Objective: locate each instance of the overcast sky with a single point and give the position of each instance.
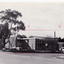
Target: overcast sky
(39, 15)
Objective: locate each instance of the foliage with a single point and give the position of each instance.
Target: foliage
(60, 40)
(11, 17)
(4, 33)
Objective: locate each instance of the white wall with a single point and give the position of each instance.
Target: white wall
(32, 43)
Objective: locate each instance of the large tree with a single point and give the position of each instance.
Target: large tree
(10, 16)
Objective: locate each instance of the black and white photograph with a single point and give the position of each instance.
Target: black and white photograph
(31, 32)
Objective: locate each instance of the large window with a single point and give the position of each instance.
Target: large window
(39, 44)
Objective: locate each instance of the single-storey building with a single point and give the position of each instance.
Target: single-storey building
(39, 43)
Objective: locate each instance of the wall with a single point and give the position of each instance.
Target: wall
(32, 43)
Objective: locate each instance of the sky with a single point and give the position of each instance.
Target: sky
(40, 18)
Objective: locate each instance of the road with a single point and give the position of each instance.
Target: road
(31, 58)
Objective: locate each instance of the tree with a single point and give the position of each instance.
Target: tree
(10, 16)
(4, 32)
(62, 40)
(59, 39)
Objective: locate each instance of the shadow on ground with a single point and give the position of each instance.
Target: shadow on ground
(31, 51)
